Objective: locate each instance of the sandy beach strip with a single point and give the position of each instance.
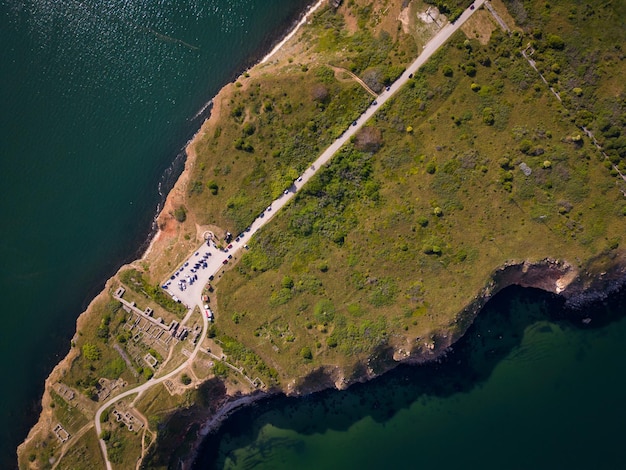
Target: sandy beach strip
(304, 19)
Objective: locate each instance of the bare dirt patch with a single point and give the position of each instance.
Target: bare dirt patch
(480, 26)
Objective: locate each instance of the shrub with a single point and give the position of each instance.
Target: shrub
(306, 353)
(320, 93)
(220, 369)
(180, 214)
(287, 282)
(213, 187)
(248, 128)
(555, 42)
(185, 379)
(431, 168)
(525, 145)
(488, 116)
(470, 70)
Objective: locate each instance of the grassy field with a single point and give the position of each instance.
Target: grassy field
(406, 225)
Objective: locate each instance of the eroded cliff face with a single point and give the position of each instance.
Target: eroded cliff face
(602, 276)
(579, 286)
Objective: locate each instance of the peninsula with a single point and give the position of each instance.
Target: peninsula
(351, 203)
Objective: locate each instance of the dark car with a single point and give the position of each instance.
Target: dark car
(230, 256)
(230, 246)
(225, 261)
(211, 277)
(354, 123)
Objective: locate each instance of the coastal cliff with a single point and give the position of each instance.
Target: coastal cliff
(385, 257)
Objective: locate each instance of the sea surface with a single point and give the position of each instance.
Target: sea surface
(525, 389)
(97, 100)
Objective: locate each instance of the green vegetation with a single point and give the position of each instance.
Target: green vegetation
(137, 282)
(413, 238)
(244, 357)
(473, 164)
(180, 213)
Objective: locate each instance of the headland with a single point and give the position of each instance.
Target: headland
(473, 176)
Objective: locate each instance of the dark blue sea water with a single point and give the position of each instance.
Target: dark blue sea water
(97, 99)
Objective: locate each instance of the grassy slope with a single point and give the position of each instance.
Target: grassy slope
(350, 265)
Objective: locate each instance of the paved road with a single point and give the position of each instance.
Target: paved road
(217, 259)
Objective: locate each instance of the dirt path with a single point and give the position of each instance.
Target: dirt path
(356, 78)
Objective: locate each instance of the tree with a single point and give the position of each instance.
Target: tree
(374, 79)
(555, 42)
(320, 93)
(185, 379)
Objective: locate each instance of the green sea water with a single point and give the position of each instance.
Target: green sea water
(525, 389)
(97, 100)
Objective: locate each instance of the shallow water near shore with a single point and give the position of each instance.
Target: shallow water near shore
(98, 101)
(524, 389)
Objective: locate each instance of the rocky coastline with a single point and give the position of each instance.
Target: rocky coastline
(579, 287)
(579, 284)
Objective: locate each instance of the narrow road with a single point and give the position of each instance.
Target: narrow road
(217, 259)
(143, 388)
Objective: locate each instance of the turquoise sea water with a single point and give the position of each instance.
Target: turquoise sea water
(524, 390)
(97, 99)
